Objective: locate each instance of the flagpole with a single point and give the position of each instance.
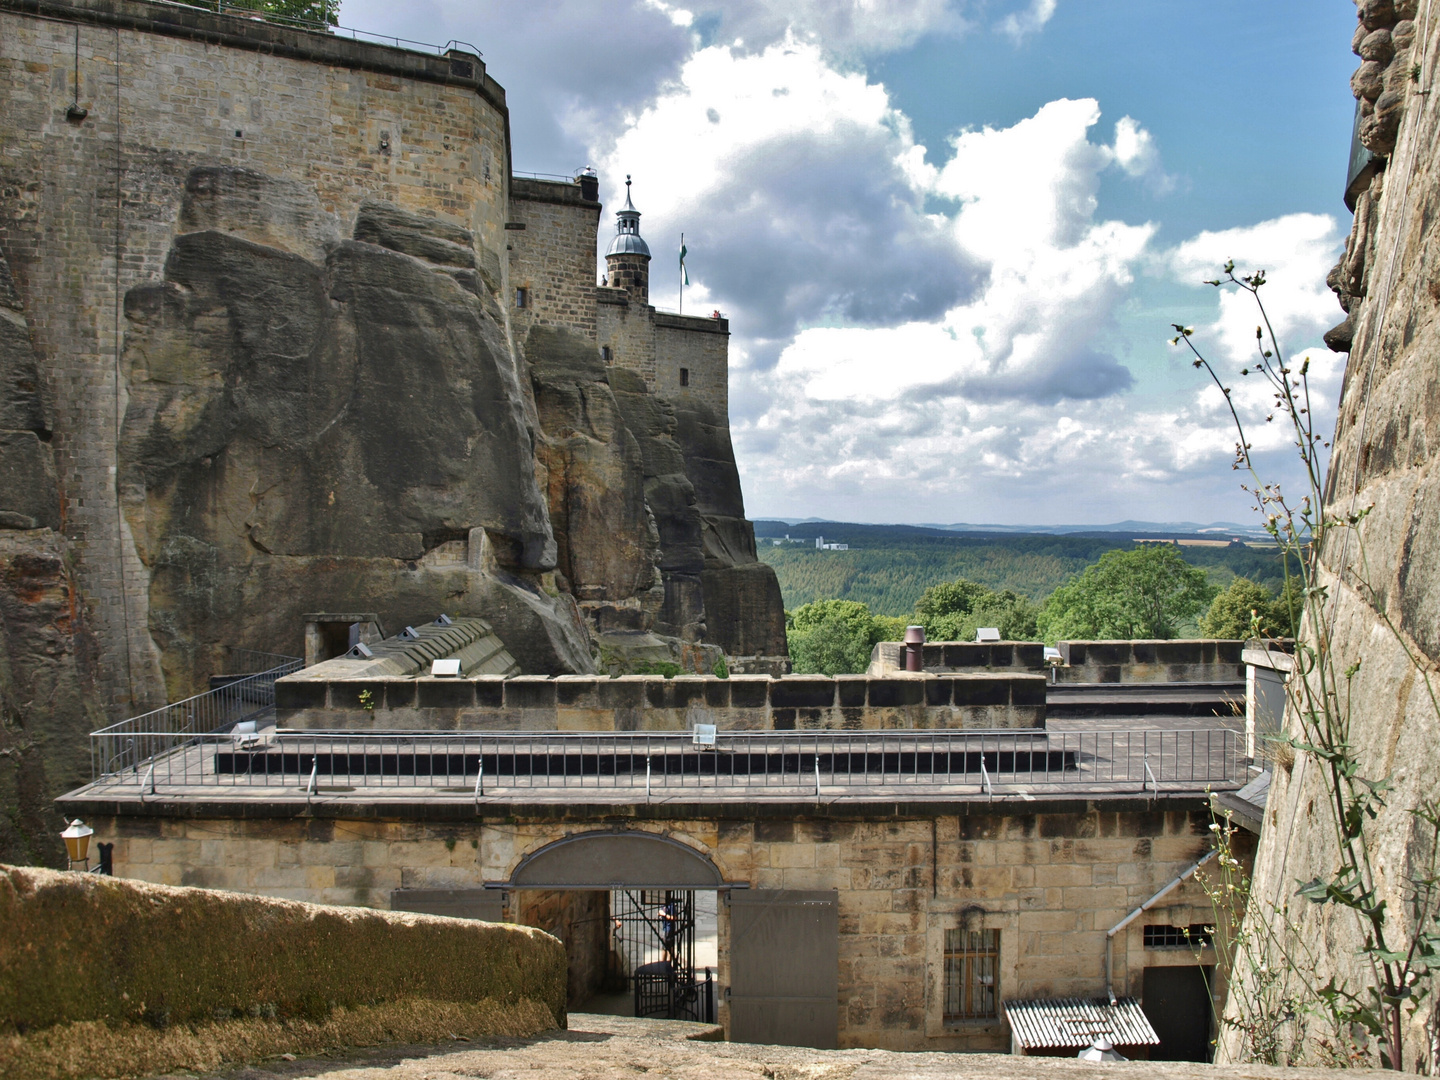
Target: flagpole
(682, 275)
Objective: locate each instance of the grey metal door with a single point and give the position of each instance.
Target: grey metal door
(784, 967)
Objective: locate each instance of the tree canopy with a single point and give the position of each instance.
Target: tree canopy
(1247, 608)
(836, 637)
(1146, 592)
(954, 610)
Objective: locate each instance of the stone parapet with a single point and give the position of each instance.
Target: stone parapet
(942, 657)
(654, 703)
(1191, 660)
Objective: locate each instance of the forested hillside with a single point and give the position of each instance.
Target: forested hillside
(888, 567)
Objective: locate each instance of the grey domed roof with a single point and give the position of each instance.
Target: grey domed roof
(627, 230)
(628, 244)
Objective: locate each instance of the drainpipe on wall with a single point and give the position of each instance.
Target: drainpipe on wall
(1146, 906)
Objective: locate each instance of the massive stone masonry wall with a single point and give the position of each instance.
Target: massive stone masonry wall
(1386, 444)
(701, 347)
(1051, 882)
(650, 703)
(551, 242)
(212, 400)
(174, 956)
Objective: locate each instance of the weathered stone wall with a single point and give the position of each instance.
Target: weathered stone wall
(701, 346)
(1200, 660)
(627, 329)
(653, 703)
(168, 955)
(944, 656)
(580, 920)
(361, 122)
(1051, 881)
(1386, 456)
(552, 256)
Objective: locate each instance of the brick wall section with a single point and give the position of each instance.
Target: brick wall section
(1052, 881)
(653, 703)
(702, 347)
(185, 87)
(553, 256)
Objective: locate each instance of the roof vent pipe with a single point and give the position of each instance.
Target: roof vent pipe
(914, 648)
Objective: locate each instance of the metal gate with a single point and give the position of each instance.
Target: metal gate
(653, 949)
(784, 967)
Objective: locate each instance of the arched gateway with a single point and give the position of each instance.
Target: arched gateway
(615, 860)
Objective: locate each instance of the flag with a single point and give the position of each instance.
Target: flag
(684, 273)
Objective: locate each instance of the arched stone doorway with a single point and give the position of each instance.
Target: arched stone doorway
(615, 860)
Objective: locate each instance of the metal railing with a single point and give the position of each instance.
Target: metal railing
(655, 764)
(245, 11)
(150, 737)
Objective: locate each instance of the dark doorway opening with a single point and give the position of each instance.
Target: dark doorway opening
(653, 955)
(1177, 1001)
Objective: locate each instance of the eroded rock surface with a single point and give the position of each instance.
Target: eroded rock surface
(342, 434)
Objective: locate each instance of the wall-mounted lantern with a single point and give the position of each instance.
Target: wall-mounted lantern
(77, 842)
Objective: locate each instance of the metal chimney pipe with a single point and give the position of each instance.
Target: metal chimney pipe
(914, 648)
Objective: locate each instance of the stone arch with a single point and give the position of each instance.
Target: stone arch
(615, 860)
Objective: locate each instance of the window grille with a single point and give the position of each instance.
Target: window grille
(972, 974)
(522, 298)
(1159, 936)
(684, 376)
(606, 354)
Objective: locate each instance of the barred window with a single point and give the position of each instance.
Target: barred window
(972, 979)
(1178, 937)
(684, 376)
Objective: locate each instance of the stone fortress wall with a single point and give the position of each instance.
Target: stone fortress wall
(261, 358)
(1051, 878)
(409, 130)
(1386, 456)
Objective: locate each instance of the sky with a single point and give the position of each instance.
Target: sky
(951, 236)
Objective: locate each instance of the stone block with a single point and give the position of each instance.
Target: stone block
(717, 693)
(530, 692)
(938, 691)
(850, 691)
(626, 692)
(577, 691)
(802, 691)
(749, 691)
(444, 693)
(896, 692)
(489, 691)
(300, 694)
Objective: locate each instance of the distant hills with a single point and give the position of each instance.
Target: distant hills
(1129, 529)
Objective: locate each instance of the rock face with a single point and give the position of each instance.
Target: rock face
(335, 432)
(742, 594)
(47, 656)
(1384, 576)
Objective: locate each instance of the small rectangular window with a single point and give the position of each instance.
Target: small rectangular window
(606, 354)
(972, 974)
(1196, 935)
(522, 298)
(684, 376)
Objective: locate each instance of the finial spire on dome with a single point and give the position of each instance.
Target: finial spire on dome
(627, 229)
